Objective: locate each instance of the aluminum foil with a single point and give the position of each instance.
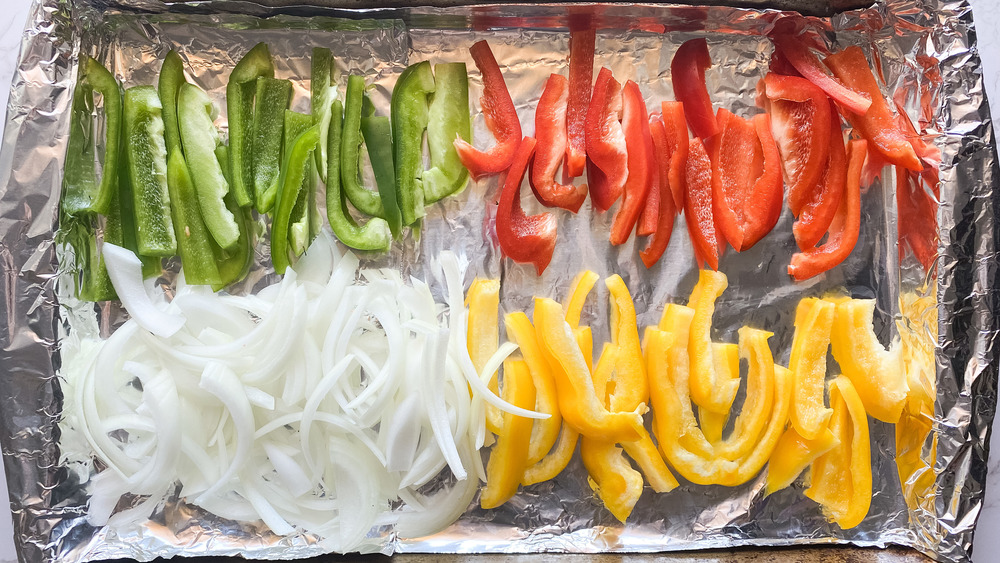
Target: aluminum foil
(47, 485)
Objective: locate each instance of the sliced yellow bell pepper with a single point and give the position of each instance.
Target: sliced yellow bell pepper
(759, 397)
(614, 480)
(876, 373)
(752, 463)
(813, 323)
(793, 455)
(712, 389)
(509, 456)
(580, 288)
(676, 320)
(556, 460)
(544, 432)
(483, 336)
(915, 453)
(629, 385)
(651, 463)
(841, 479)
(578, 402)
(726, 358)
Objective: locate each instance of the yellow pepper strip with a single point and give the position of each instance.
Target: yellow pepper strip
(711, 389)
(578, 401)
(650, 461)
(876, 373)
(555, 461)
(544, 432)
(751, 464)
(509, 456)
(918, 331)
(603, 373)
(585, 341)
(614, 480)
(759, 397)
(580, 288)
(842, 478)
(676, 320)
(793, 455)
(726, 358)
(630, 387)
(813, 323)
(483, 336)
(671, 421)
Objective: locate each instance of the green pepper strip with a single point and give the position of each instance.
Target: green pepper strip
(375, 234)
(378, 138)
(199, 137)
(294, 174)
(367, 201)
(168, 86)
(193, 239)
(272, 98)
(121, 227)
(410, 115)
(448, 118)
(81, 190)
(239, 107)
(322, 93)
(147, 161)
(233, 264)
(299, 229)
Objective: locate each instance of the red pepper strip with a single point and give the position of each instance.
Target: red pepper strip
(524, 239)
(698, 205)
(687, 74)
(675, 126)
(929, 154)
(781, 65)
(550, 132)
(799, 55)
(639, 143)
(665, 208)
(845, 227)
(606, 148)
(875, 164)
(800, 122)
(917, 223)
(581, 74)
(821, 208)
(501, 119)
(764, 202)
(878, 125)
(649, 216)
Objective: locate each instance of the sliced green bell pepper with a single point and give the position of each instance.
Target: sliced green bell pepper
(290, 217)
(199, 137)
(378, 138)
(299, 229)
(168, 86)
(240, 93)
(234, 264)
(272, 100)
(367, 201)
(375, 234)
(193, 239)
(323, 91)
(448, 118)
(82, 191)
(147, 161)
(409, 120)
(122, 226)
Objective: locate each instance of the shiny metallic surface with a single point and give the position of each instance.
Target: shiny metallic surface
(48, 467)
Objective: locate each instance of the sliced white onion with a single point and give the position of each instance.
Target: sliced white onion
(125, 271)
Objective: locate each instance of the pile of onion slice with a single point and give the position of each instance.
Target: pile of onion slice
(340, 402)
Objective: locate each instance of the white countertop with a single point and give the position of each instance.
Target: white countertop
(987, 13)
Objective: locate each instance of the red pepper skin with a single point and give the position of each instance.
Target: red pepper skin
(845, 227)
(878, 125)
(581, 74)
(819, 211)
(687, 74)
(875, 163)
(649, 217)
(698, 205)
(639, 143)
(550, 133)
(929, 154)
(526, 239)
(501, 119)
(675, 126)
(917, 224)
(606, 148)
(798, 54)
(800, 123)
(764, 203)
(665, 202)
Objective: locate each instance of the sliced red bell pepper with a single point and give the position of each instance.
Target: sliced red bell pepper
(878, 125)
(875, 164)
(800, 122)
(675, 126)
(929, 154)
(845, 227)
(550, 132)
(523, 238)
(606, 148)
(798, 54)
(821, 207)
(665, 209)
(501, 119)
(746, 179)
(687, 74)
(781, 65)
(639, 144)
(581, 74)
(649, 216)
(698, 205)
(917, 221)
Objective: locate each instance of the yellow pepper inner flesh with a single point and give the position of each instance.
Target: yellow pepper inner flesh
(509, 456)
(614, 480)
(793, 454)
(759, 397)
(712, 389)
(483, 336)
(813, 323)
(544, 432)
